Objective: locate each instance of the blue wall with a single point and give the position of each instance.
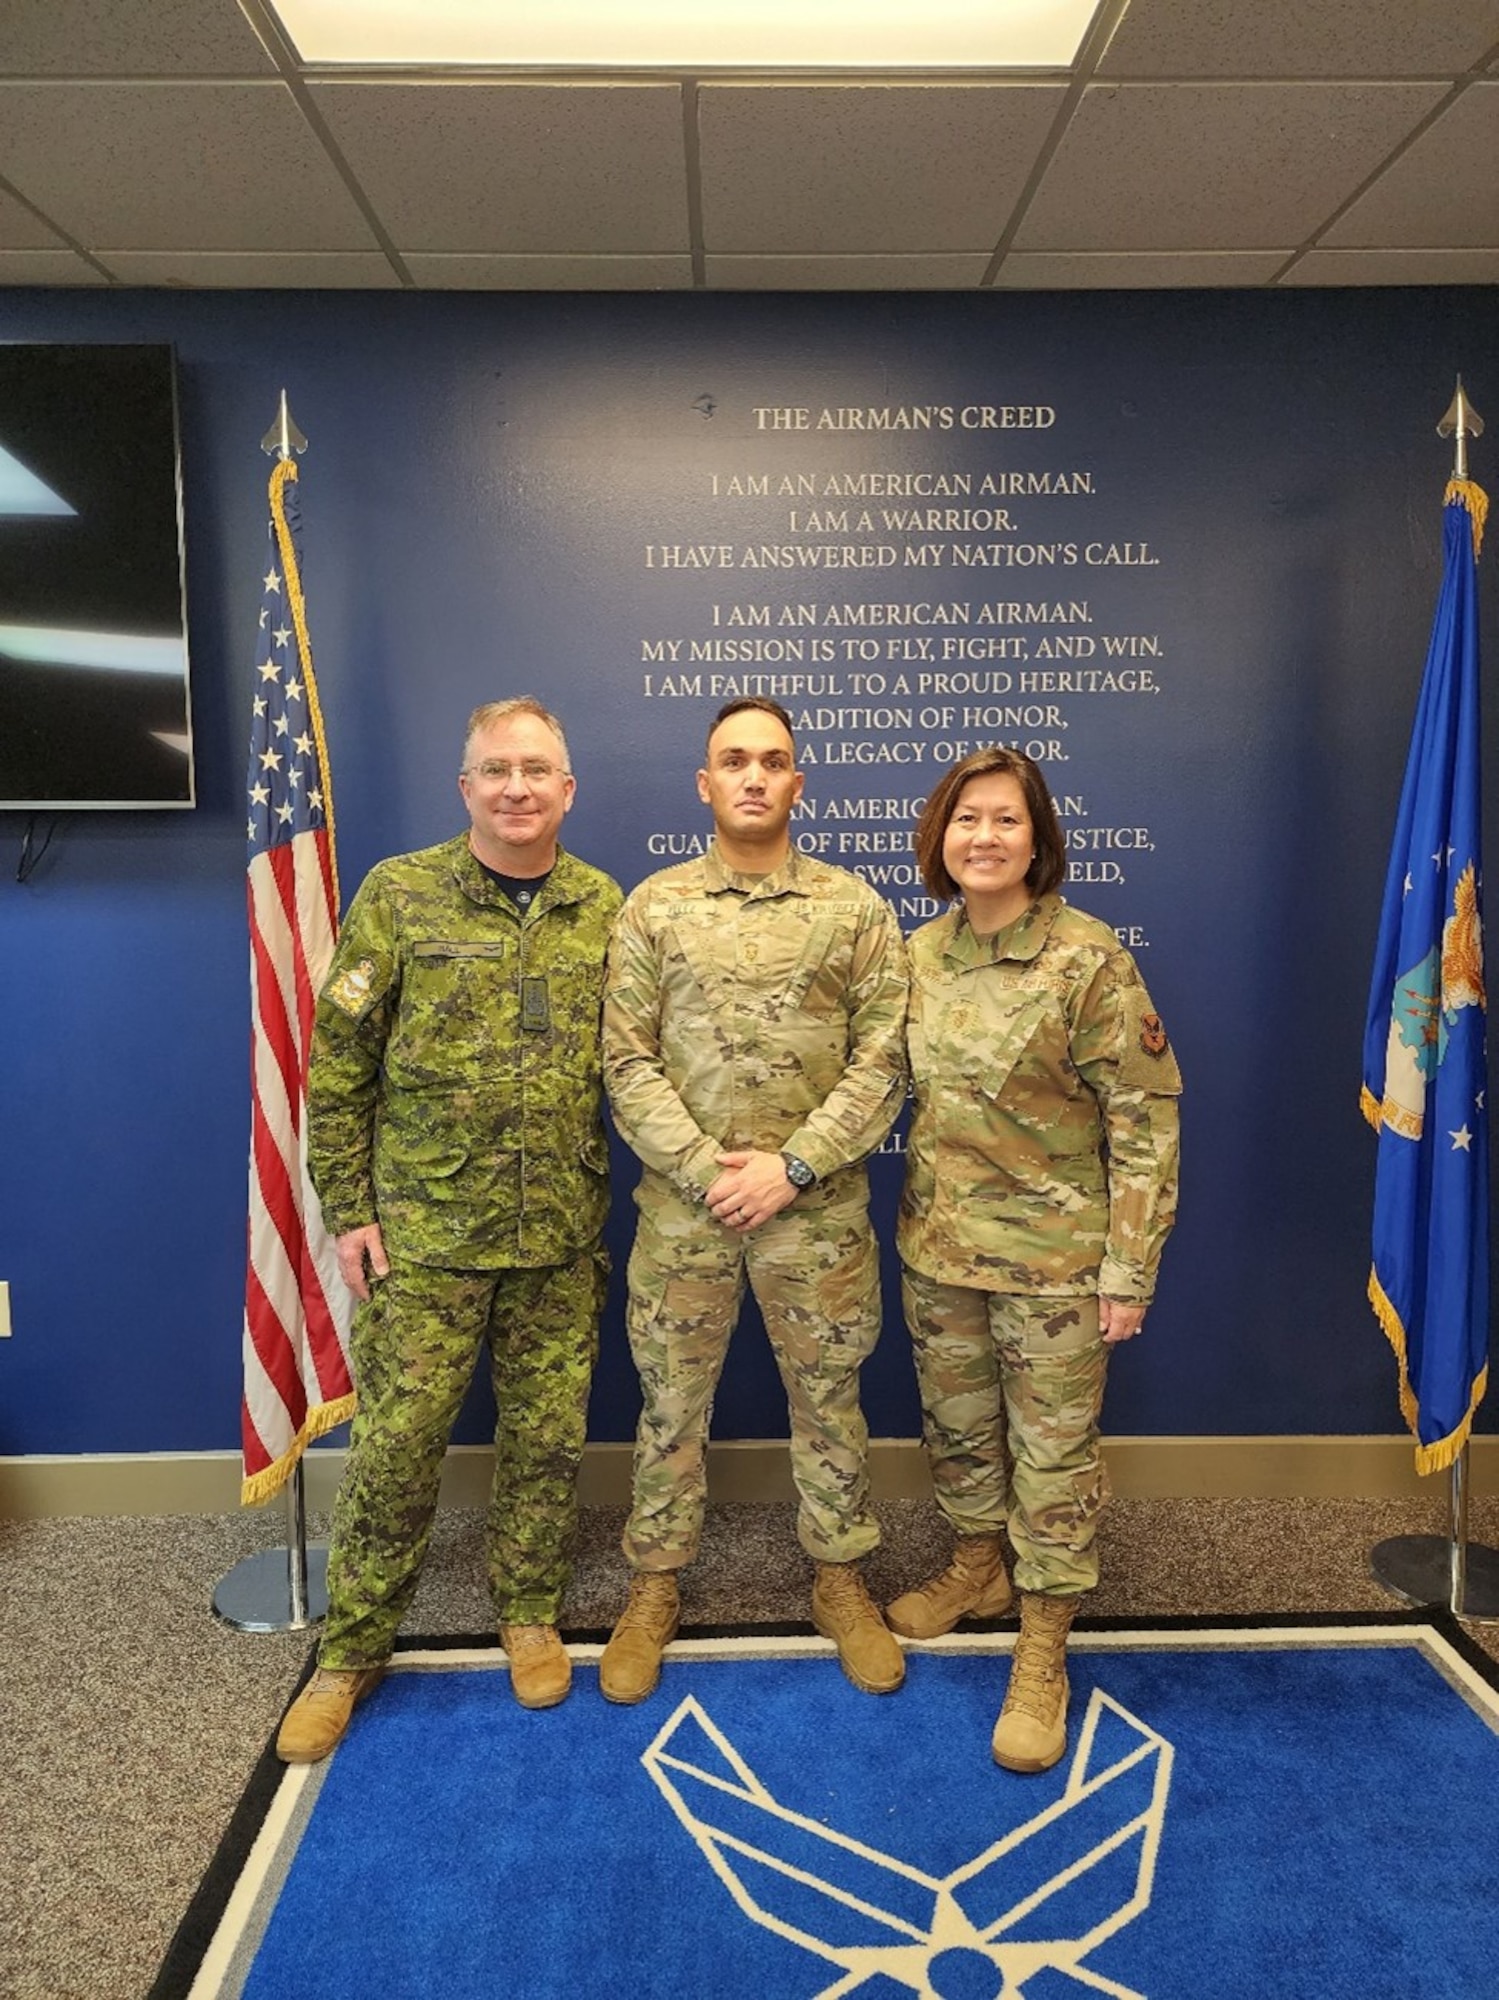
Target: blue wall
(486, 475)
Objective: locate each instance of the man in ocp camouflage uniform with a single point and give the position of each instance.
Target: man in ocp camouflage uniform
(456, 1143)
(753, 1052)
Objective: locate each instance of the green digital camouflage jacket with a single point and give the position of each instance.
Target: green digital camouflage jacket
(455, 1094)
(754, 1012)
(1043, 1148)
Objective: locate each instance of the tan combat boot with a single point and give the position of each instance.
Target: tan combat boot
(631, 1665)
(974, 1585)
(843, 1611)
(316, 1721)
(540, 1671)
(1031, 1732)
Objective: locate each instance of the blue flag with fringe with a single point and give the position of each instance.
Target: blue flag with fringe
(1425, 1067)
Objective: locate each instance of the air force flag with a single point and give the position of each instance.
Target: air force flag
(1425, 1073)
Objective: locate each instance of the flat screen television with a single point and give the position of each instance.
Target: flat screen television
(94, 707)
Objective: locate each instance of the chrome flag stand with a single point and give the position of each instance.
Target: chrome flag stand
(1436, 1569)
(281, 1589)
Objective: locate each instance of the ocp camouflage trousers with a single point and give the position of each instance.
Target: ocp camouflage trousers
(414, 1348)
(814, 1269)
(1011, 1391)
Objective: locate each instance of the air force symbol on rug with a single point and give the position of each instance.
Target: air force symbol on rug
(1031, 1907)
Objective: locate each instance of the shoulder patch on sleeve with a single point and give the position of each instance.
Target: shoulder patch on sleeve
(1147, 1060)
(353, 991)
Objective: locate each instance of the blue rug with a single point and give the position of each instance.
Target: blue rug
(1288, 1811)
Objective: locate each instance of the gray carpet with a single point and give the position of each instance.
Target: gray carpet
(130, 1718)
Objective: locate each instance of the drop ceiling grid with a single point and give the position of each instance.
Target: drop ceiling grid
(1218, 144)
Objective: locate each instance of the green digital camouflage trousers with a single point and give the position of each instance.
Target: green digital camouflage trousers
(414, 1348)
(814, 1270)
(1011, 1390)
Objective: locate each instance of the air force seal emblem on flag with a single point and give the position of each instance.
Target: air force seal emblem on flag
(1425, 1061)
(1039, 1898)
(1424, 1008)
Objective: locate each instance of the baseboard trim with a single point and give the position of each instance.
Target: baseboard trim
(1147, 1468)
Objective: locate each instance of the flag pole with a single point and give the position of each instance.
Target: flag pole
(1424, 1569)
(282, 1589)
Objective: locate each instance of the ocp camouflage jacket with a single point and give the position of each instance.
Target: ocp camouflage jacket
(754, 1012)
(1043, 1148)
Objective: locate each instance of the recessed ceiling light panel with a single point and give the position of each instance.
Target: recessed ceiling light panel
(686, 34)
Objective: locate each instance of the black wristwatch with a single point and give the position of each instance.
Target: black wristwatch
(798, 1172)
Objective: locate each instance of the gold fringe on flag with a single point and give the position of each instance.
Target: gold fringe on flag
(1429, 1457)
(1472, 496)
(268, 1482)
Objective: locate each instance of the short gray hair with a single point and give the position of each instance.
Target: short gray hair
(491, 713)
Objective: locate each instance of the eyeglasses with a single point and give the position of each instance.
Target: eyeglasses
(499, 770)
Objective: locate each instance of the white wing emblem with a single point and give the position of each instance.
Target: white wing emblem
(1044, 1895)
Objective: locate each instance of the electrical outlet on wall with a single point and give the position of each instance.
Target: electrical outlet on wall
(4, 1308)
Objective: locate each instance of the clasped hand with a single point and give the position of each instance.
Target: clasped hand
(751, 1189)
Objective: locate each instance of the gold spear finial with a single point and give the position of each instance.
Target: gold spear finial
(1461, 422)
(283, 437)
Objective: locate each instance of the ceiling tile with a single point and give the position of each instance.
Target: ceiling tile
(1150, 270)
(847, 274)
(1442, 193)
(46, 267)
(1395, 267)
(866, 167)
(258, 270)
(1214, 165)
(1290, 38)
(517, 167)
(21, 230)
(213, 166)
(129, 38)
(473, 272)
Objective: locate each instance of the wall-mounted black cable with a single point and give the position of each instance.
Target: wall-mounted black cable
(30, 853)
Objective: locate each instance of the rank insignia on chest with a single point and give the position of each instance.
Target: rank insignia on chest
(1153, 1035)
(535, 1006)
(351, 990)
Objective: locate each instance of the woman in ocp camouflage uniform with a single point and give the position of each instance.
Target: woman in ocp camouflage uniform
(1040, 1187)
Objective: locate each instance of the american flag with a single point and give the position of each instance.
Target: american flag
(296, 1341)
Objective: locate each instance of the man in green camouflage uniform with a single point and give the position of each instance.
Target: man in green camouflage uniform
(1041, 1180)
(753, 1055)
(457, 1146)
